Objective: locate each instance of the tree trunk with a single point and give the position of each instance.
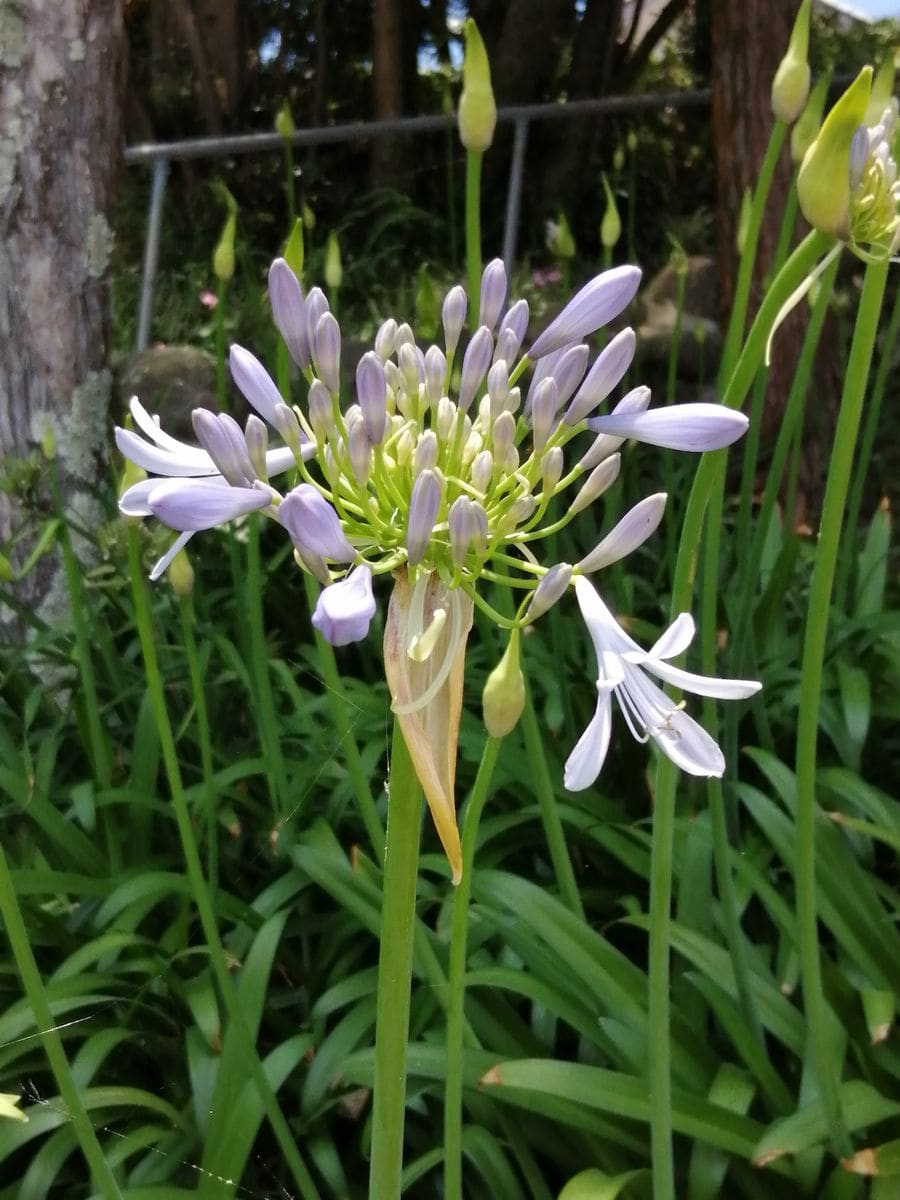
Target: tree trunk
(748, 42)
(61, 70)
(387, 83)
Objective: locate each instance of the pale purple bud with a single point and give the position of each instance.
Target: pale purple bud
(569, 372)
(285, 421)
(404, 447)
(493, 292)
(424, 506)
(446, 416)
(371, 392)
(473, 446)
(468, 526)
(636, 401)
(503, 434)
(321, 409)
(392, 375)
(482, 470)
(498, 387)
(516, 323)
(316, 307)
(513, 400)
(221, 438)
(345, 610)
(693, 427)
(507, 346)
(289, 311)
(359, 450)
(475, 364)
(551, 587)
(598, 302)
(607, 372)
(410, 367)
(327, 352)
(256, 437)
(426, 452)
(453, 316)
(859, 153)
(551, 469)
(384, 339)
(403, 337)
(545, 369)
(629, 533)
(507, 461)
(192, 504)
(435, 373)
(520, 510)
(313, 524)
(599, 480)
(543, 412)
(254, 382)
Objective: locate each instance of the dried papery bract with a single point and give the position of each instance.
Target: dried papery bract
(424, 660)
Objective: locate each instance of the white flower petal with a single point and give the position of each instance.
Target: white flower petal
(629, 533)
(162, 461)
(676, 638)
(133, 501)
(586, 760)
(166, 561)
(690, 747)
(693, 427)
(703, 685)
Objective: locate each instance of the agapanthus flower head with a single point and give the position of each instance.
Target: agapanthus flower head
(429, 484)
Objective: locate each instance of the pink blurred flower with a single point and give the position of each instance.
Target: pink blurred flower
(208, 299)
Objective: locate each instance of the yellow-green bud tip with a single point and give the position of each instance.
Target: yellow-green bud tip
(223, 255)
(477, 110)
(611, 225)
(790, 87)
(284, 122)
(181, 575)
(334, 272)
(504, 693)
(823, 182)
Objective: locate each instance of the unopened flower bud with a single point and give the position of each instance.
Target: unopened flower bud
(453, 317)
(334, 271)
(543, 412)
(790, 87)
(468, 526)
(598, 302)
(327, 352)
(424, 506)
(498, 387)
(284, 122)
(607, 372)
(408, 361)
(548, 591)
(629, 533)
(503, 434)
(384, 339)
(446, 415)
(806, 127)
(344, 610)
(371, 393)
(289, 311)
(316, 307)
(285, 421)
(223, 255)
(823, 182)
(600, 480)
(435, 373)
(475, 364)
(551, 469)
(559, 239)
(477, 109)
(611, 224)
(181, 575)
(313, 524)
(256, 437)
(321, 410)
(493, 292)
(503, 699)
(569, 372)
(426, 452)
(359, 450)
(482, 470)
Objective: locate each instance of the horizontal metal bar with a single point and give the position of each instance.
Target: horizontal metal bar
(250, 143)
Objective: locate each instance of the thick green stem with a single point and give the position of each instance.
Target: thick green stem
(101, 1173)
(473, 231)
(266, 719)
(199, 888)
(398, 922)
(552, 822)
(206, 758)
(839, 473)
(453, 1087)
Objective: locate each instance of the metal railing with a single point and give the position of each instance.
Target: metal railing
(162, 154)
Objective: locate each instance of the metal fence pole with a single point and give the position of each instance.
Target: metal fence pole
(514, 192)
(151, 251)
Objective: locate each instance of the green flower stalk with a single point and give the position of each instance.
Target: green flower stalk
(806, 127)
(437, 486)
(790, 87)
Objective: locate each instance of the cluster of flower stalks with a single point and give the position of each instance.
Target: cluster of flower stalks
(441, 472)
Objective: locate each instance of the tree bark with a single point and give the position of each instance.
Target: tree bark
(61, 71)
(387, 84)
